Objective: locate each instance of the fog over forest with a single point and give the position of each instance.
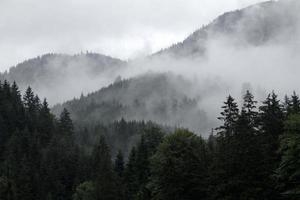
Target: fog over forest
(149, 100)
(247, 49)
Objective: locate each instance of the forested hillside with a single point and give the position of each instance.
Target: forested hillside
(254, 154)
(113, 89)
(270, 22)
(139, 129)
(55, 75)
(163, 98)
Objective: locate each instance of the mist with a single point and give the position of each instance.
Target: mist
(252, 49)
(232, 64)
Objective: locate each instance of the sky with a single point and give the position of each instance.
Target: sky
(125, 29)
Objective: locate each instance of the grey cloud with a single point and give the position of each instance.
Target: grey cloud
(119, 28)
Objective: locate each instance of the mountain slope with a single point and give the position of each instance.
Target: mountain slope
(255, 25)
(156, 97)
(60, 77)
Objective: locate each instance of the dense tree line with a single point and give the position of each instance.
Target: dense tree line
(156, 97)
(254, 154)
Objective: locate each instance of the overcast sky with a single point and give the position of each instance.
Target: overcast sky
(119, 28)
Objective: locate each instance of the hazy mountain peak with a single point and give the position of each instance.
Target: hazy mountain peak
(254, 25)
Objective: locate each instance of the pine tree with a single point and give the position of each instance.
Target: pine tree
(18, 109)
(288, 172)
(249, 112)
(130, 175)
(31, 109)
(46, 124)
(271, 119)
(85, 191)
(287, 105)
(105, 181)
(61, 160)
(180, 168)
(237, 163)
(65, 124)
(295, 104)
(119, 170)
(142, 169)
(229, 117)
(271, 128)
(153, 136)
(119, 164)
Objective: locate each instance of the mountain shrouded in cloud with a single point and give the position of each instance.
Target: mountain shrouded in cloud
(236, 49)
(119, 28)
(264, 23)
(59, 77)
(216, 116)
(163, 98)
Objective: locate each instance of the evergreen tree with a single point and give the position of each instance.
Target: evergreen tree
(271, 119)
(31, 108)
(238, 156)
(271, 122)
(179, 168)
(229, 117)
(119, 170)
(18, 109)
(295, 104)
(105, 181)
(249, 112)
(85, 191)
(119, 164)
(65, 124)
(130, 175)
(142, 169)
(61, 160)
(224, 166)
(45, 124)
(289, 169)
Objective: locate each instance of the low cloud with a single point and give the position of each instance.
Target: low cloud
(118, 28)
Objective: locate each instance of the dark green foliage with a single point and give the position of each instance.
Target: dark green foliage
(245, 160)
(85, 191)
(38, 153)
(65, 123)
(151, 97)
(103, 173)
(180, 168)
(292, 104)
(288, 172)
(61, 160)
(130, 175)
(254, 155)
(119, 164)
(271, 118)
(229, 117)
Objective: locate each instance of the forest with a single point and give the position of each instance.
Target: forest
(254, 154)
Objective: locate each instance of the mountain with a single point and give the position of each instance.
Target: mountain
(162, 97)
(60, 77)
(263, 23)
(155, 97)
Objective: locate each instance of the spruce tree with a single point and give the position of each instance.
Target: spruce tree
(271, 125)
(142, 169)
(271, 128)
(65, 123)
(288, 172)
(180, 168)
(45, 124)
(119, 164)
(229, 117)
(295, 104)
(249, 110)
(130, 175)
(104, 176)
